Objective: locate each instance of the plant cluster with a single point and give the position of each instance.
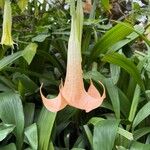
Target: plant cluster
(115, 48)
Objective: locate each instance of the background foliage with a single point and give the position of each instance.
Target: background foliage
(115, 50)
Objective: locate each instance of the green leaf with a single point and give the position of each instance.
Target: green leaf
(141, 115)
(141, 132)
(9, 59)
(125, 133)
(45, 125)
(51, 146)
(88, 134)
(29, 109)
(77, 149)
(113, 94)
(106, 5)
(40, 38)
(117, 33)
(2, 3)
(7, 82)
(139, 146)
(31, 136)
(11, 112)
(80, 143)
(11, 146)
(105, 134)
(29, 52)
(5, 129)
(124, 103)
(67, 113)
(139, 30)
(115, 73)
(95, 120)
(126, 64)
(95, 75)
(22, 4)
(29, 86)
(134, 104)
(121, 148)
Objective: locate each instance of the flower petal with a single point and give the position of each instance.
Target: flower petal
(7, 25)
(94, 98)
(54, 104)
(85, 100)
(92, 91)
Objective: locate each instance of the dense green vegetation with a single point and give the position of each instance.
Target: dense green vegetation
(115, 50)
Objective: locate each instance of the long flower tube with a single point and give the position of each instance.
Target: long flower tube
(7, 25)
(73, 92)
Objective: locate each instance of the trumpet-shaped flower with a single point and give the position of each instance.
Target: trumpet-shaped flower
(7, 25)
(73, 92)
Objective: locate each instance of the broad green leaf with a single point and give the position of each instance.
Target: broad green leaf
(139, 146)
(77, 149)
(7, 82)
(113, 94)
(80, 143)
(22, 4)
(95, 120)
(117, 33)
(128, 39)
(2, 3)
(142, 114)
(28, 85)
(67, 113)
(11, 146)
(31, 136)
(45, 125)
(29, 52)
(115, 73)
(40, 38)
(141, 132)
(126, 64)
(5, 129)
(61, 126)
(51, 58)
(4, 88)
(121, 148)
(29, 109)
(124, 103)
(106, 5)
(9, 59)
(51, 146)
(88, 134)
(95, 75)
(148, 139)
(105, 134)
(107, 105)
(134, 104)
(125, 133)
(11, 112)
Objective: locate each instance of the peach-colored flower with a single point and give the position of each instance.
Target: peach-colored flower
(73, 92)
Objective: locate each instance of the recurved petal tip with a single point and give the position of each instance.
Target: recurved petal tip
(95, 99)
(55, 104)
